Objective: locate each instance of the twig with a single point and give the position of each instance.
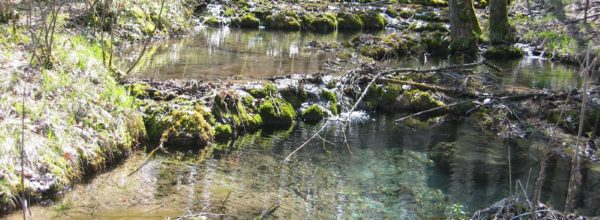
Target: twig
(306, 142)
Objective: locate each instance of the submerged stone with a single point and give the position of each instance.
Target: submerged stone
(442, 155)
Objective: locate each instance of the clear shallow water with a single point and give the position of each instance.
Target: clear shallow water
(388, 175)
(233, 53)
(223, 53)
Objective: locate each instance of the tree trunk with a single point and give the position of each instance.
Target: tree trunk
(464, 26)
(500, 30)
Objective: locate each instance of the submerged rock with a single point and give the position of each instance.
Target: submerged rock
(442, 155)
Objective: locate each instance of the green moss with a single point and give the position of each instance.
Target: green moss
(372, 20)
(192, 123)
(139, 90)
(229, 106)
(268, 89)
(430, 2)
(349, 21)
(249, 20)
(295, 96)
(503, 52)
(187, 124)
(377, 52)
(212, 21)
(418, 100)
(334, 108)
(405, 14)
(313, 114)
(392, 12)
(329, 95)
(277, 113)
(324, 23)
(223, 131)
(283, 21)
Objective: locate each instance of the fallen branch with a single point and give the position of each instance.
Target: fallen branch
(306, 142)
(429, 110)
(429, 87)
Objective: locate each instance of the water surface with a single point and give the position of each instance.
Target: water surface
(385, 172)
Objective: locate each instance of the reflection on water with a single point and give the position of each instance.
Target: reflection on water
(541, 74)
(224, 53)
(389, 174)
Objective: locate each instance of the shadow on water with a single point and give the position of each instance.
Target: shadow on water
(389, 174)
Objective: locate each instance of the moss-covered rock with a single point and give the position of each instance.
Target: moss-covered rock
(326, 22)
(212, 21)
(377, 52)
(277, 113)
(433, 26)
(223, 132)
(313, 114)
(284, 21)
(372, 20)
(139, 90)
(329, 95)
(442, 155)
(183, 128)
(503, 52)
(268, 89)
(418, 100)
(294, 95)
(229, 107)
(349, 22)
(406, 14)
(249, 20)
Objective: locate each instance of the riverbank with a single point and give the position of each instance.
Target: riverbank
(61, 94)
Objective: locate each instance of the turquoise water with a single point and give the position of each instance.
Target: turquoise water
(386, 171)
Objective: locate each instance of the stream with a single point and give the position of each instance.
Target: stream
(385, 171)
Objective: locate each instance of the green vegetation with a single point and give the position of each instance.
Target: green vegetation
(349, 21)
(372, 20)
(503, 52)
(223, 132)
(313, 114)
(277, 113)
(249, 20)
(284, 21)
